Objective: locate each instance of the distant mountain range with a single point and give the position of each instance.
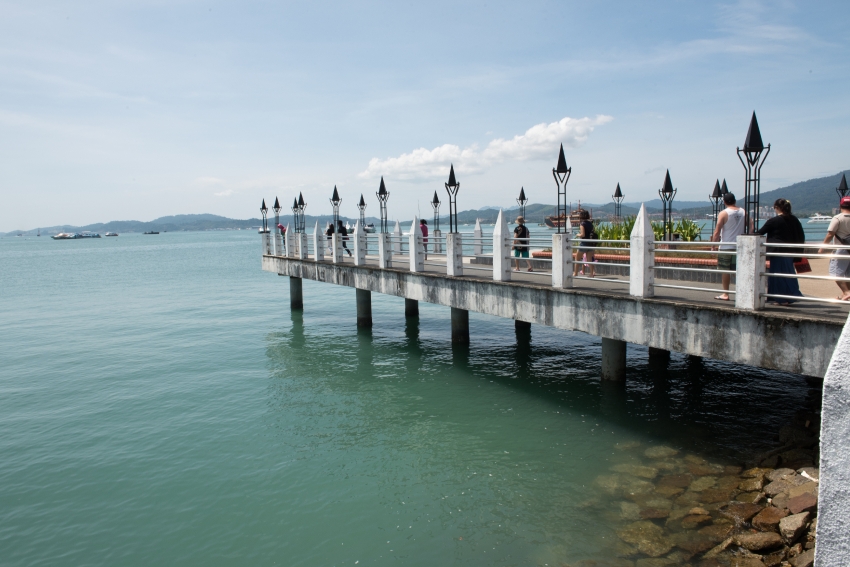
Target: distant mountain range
(807, 197)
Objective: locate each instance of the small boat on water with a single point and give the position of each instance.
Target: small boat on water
(819, 219)
(111, 234)
(558, 222)
(88, 234)
(64, 236)
(151, 232)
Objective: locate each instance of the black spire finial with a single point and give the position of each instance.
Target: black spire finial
(723, 188)
(753, 142)
(843, 185)
(335, 197)
(435, 200)
(562, 161)
(522, 194)
(300, 200)
(362, 202)
(382, 190)
(617, 192)
(717, 193)
(668, 185)
(276, 204)
(452, 180)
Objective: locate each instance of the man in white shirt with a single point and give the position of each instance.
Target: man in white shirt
(839, 233)
(730, 224)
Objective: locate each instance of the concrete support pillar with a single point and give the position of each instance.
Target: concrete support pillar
(562, 259)
(659, 356)
(359, 243)
(438, 244)
(501, 250)
(417, 251)
(336, 248)
(397, 238)
(613, 359)
(411, 308)
(749, 275)
(454, 254)
(477, 236)
(319, 241)
(296, 296)
(521, 325)
(460, 326)
(385, 251)
(642, 257)
(364, 308)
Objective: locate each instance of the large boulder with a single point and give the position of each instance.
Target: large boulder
(802, 503)
(791, 527)
(768, 519)
(758, 541)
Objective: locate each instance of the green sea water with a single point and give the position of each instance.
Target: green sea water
(161, 405)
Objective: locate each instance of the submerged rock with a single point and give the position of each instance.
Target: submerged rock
(660, 452)
(702, 483)
(740, 512)
(768, 519)
(750, 497)
(756, 472)
(656, 562)
(691, 522)
(629, 511)
(751, 484)
(802, 503)
(780, 474)
(791, 527)
(758, 541)
(636, 470)
(717, 532)
(746, 561)
(647, 536)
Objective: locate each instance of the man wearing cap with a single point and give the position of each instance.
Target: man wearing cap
(520, 246)
(839, 233)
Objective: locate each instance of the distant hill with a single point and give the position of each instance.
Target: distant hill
(808, 197)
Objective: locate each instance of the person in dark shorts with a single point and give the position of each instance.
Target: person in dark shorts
(343, 234)
(586, 237)
(520, 245)
(730, 225)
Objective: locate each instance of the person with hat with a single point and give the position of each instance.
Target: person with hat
(520, 245)
(839, 233)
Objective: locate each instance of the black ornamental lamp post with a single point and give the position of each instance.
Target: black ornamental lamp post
(522, 201)
(715, 198)
(276, 210)
(755, 154)
(301, 206)
(335, 201)
(667, 193)
(562, 173)
(842, 187)
(435, 204)
(383, 195)
(723, 188)
(295, 214)
(264, 210)
(361, 206)
(618, 201)
(452, 187)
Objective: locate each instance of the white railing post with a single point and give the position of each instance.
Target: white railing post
(278, 242)
(477, 244)
(385, 251)
(302, 245)
(642, 257)
(417, 251)
(359, 243)
(265, 237)
(562, 258)
(287, 243)
(454, 254)
(336, 247)
(501, 251)
(397, 238)
(438, 246)
(318, 244)
(749, 274)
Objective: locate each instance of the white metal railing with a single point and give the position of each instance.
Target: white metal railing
(455, 253)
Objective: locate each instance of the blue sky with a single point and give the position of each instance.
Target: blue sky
(139, 109)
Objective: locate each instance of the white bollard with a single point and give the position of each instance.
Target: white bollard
(454, 254)
(302, 245)
(749, 275)
(477, 244)
(336, 248)
(359, 243)
(562, 259)
(287, 243)
(642, 257)
(435, 238)
(278, 242)
(501, 251)
(397, 238)
(265, 238)
(417, 252)
(319, 243)
(385, 251)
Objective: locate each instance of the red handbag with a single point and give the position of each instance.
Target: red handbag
(803, 266)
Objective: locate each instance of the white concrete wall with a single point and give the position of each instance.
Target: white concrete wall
(790, 343)
(833, 539)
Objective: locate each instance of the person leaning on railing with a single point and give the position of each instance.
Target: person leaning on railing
(839, 233)
(783, 228)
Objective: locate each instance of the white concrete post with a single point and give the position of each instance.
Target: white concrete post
(749, 278)
(454, 254)
(287, 243)
(265, 237)
(501, 251)
(477, 245)
(642, 257)
(302, 245)
(562, 259)
(833, 532)
(336, 248)
(435, 237)
(397, 238)
(278, 242)
(385, 251)
(359, 243)
(319, 243)
(417, 252)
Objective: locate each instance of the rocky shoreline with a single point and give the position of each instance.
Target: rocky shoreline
(674, 509)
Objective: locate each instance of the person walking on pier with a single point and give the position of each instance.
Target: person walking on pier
(586, 235)
(343, 234)
(783, 228)
(839, 233)
(520, 246)
(730, 225)
(423, 226)
(330, 235)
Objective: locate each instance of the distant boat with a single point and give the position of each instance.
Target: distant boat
(87, 234)
(553, 221)
(39, 232)
(64, 236)
(819, 219)
(151, 232)
(111, 234)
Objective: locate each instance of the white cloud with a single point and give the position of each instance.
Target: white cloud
(225, 193)
(538, 142)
